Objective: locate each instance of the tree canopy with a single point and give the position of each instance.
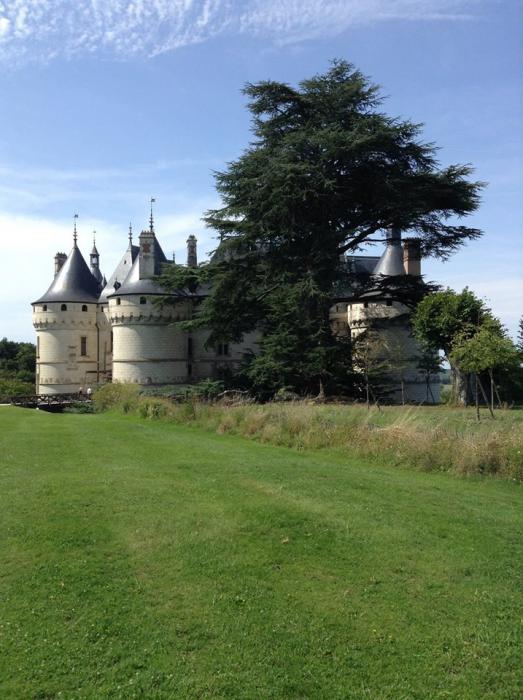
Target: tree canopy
(326, 173)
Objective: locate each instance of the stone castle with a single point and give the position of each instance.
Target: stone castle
(91, 330)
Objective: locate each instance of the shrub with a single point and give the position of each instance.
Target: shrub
(122, 396)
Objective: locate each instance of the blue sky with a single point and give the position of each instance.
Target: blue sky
(106, 103)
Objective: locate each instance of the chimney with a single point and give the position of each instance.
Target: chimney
(412, 256)
(59, 260)
(147, 255)
(192, 258)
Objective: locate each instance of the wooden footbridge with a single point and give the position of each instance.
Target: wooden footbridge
(54, 403)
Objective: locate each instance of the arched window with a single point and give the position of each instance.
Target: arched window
(143, 300)
(84, 307)
(118, 301)
(63, 307)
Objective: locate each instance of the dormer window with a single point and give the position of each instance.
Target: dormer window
(63, 307)
(84, 307)
(143, 300)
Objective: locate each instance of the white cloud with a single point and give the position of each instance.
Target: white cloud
(45, 29)
(30, 243)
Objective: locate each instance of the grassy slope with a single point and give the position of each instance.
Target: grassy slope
(146, 560)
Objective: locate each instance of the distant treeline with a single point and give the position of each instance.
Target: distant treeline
(17, 368)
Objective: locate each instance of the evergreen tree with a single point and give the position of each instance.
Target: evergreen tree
(326, 173)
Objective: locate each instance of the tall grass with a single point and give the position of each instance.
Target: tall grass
(432, 439)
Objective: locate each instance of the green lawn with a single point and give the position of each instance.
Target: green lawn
(142, 559)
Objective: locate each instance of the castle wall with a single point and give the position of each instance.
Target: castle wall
(64, 361)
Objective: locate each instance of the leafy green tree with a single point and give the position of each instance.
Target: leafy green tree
(442, 317)
(17, 361)
(484, 351)
(327, 172)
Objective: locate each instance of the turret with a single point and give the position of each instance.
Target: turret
(65, 322)
(192, 257)
(95, 263)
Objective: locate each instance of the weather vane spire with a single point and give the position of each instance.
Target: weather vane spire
(75, 235)
(151, 218)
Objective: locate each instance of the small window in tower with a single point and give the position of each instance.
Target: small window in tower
(83, 346)
(84, 307)
(143, 300)
(366, 305)
(44, 307)
(63, 307)
(389, 302)
(189, 369)
(111, 345)
(37, 346)
(118, 301)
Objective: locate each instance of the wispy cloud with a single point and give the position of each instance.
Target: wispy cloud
(41, 30)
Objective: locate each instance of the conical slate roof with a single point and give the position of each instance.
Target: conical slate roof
(133, 284)
(121, 273)
(74, 282)
(391, 262)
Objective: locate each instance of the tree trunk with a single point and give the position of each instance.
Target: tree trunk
(460, 387)
(485, 396)
(477, 398)
(491, 375)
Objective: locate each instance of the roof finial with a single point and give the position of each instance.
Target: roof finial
(151, 219)
(75, 235)
(174, 257)
(94, 238)
(130, 233)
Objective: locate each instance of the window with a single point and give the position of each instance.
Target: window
(83, 346)
(111, 346)
(44, 307)
(84, 307)
(118, 301)
(38, 346)
(143, 300)
(223, 349)
(389, 302)
(366, 305)
(63, 307)
(189, 369)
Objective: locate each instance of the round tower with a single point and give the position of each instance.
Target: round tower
(148, 348)
(379, 311)
(67, 334)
